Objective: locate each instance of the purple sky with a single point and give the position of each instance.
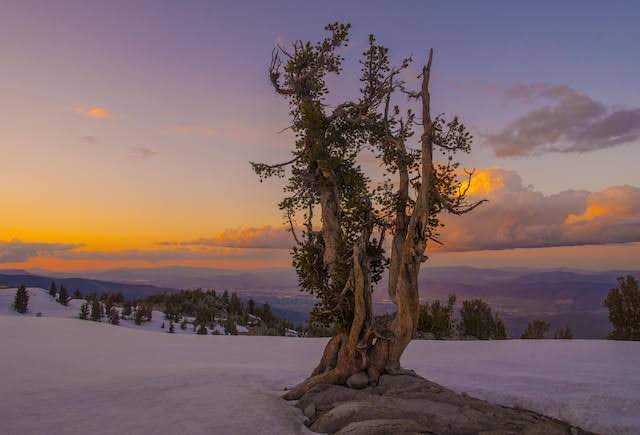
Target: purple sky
(131, 123)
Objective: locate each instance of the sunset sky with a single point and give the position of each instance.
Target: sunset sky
(126, 128)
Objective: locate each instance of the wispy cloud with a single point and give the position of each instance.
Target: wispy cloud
(265, 237)
(141, 153)
(573, 123)
(15, 251)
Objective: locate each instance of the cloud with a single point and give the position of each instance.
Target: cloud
(92, 111)
(98, 112)
(16, 251)
(194, 129)
(520, 217)
(573, 123)
(265, 237)
(141, 153)
(516, 216)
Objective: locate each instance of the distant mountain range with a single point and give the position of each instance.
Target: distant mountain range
(86, 286)
(563, 297)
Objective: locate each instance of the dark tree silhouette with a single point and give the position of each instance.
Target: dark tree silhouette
(536, 329)
(21, 301)
(53, 290)
(477, 320)
(84, 311)
(342, 261)
(114, 316)
(623, 303)
(563, 334)
(96, 310)
(63, 297)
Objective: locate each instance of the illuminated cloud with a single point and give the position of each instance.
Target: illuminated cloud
(573, 123)
(265, 237)
(484, 181)
(520, 217)
(92, 111)
(141, 153)
(98, 112)
(16, 251)
(617, 202)
(516, 216)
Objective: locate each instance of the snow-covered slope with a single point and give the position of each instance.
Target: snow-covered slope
(66, 376)
(41, 304)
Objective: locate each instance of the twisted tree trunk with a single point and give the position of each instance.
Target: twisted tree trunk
(363, 348)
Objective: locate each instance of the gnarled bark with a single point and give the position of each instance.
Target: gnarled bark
(357, 351)
(330, 208)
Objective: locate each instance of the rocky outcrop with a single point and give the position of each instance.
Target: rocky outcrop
(413, 405)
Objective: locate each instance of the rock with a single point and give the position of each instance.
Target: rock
(410, 405)
(383, 427)
(309, 411)
(358, 381)
(349, 412)
(325, 396)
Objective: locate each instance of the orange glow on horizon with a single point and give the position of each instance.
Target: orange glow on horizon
(68, 265)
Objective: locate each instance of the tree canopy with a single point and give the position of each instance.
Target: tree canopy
(340, 216)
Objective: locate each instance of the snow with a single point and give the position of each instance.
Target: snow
(41, 304)
(66, 376)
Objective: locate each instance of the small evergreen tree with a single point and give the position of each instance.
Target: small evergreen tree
(172, 327)
(53, 290)
(437, 318)
(477, 320)
(264, 312)
(230, 326)
(202, 330)
(138, 319)
(225, 298)
(96, 311)
(114, 316)
(501, 331)
(235, 304)
(84, 311)
(563, 334)
(623, 303)
(77, 294)
(117, 297)
(108, 305)
(21, 301)
(126, 309)
(251, 307)
(148, 312)
(63, 297)
(536, 329)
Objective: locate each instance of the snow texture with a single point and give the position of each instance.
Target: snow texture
(66, 376)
